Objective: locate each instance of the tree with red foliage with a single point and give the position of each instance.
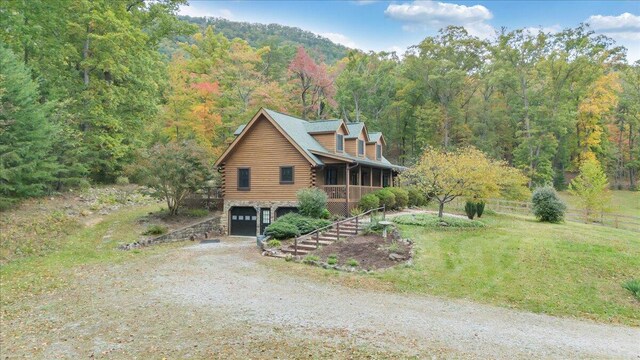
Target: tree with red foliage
(316, 84)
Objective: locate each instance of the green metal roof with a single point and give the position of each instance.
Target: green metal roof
(239, 129)
(375, 136)
(299, 131)
(322, 126)
(354, 130)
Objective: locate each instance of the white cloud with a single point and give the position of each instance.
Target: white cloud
(339, 39)
(624, 29)
(195, 11)
(622, 23)
(435, 15)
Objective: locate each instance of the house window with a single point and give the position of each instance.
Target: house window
(378, 151)
(244, 179)
(286, 175)
(360, 147)
(331, 176)
(339, 143)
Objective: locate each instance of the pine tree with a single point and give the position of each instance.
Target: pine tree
(26, 165)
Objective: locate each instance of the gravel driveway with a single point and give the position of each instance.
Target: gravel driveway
(226, 277)
(225, 301)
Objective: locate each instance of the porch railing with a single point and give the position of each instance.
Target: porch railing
(339, 192)
(336, 225)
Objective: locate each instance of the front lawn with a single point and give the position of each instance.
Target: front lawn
(564, 269)
(568, 269)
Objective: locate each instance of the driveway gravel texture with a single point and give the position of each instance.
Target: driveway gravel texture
(225, 301)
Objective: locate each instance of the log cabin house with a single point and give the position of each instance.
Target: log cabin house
(275, 155)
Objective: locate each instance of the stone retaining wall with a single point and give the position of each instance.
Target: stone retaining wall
(211, 226)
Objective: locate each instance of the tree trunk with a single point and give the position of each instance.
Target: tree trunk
(441, 209)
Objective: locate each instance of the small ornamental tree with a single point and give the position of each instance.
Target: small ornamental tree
(547, 206)
(465, 172)
(174, 171)
(312, 202)
(591, 187)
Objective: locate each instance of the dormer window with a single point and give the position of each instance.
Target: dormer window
(339, 143)
(378, 152)
(360, 147)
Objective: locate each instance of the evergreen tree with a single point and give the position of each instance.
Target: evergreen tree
(26, 135)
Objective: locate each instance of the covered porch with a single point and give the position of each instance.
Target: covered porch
(349, 183)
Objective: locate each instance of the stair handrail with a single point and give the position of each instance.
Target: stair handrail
(337, 223)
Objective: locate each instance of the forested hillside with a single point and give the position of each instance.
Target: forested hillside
(259, 35)
(85, 88)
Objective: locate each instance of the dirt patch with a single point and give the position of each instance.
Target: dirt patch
(370, 251)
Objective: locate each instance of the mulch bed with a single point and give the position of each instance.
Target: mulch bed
(370, 251)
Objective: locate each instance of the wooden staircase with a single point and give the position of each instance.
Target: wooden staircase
(328, 235)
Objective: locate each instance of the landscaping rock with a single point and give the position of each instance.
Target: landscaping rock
(397, 257)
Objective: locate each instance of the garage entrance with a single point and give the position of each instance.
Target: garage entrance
(243, 221)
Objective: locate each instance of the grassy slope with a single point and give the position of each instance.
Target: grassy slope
(567, 269)
(622, 202)
(36, 274)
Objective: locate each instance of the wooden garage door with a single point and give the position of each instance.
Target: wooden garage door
(243, 221)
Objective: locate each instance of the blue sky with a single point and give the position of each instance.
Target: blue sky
(395, 25)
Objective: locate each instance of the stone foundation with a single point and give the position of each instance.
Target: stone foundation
(272, 204)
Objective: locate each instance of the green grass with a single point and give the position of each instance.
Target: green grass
(623, 202)
(560, 269)
(433, 221)
(36, 274)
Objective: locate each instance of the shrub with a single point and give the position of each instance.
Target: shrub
(155, 230)
(480, 208)
(402, 197)
(326, 214)
(633, 286)
(547, 206)
(282, 230)
(470, 209)
(368, 202)
(352, 262)
(386, 197)
(416, 197)
(356, 211)
(273, 243)
(433, 221)
(312, 202)
(304, 224)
